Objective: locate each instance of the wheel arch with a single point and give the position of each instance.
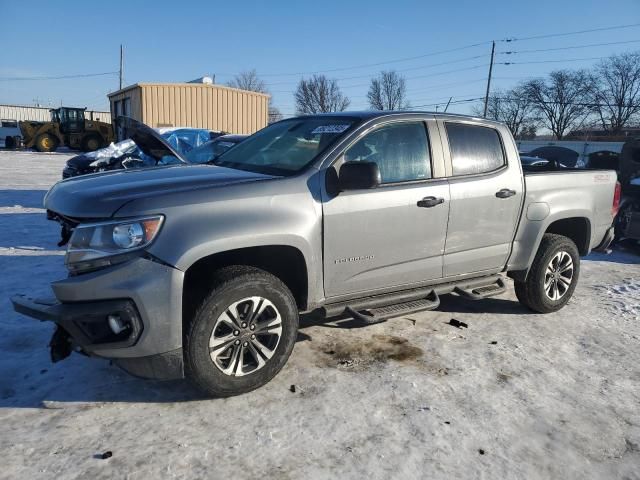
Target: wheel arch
(578, 229)
(575, 227)
(283, 261)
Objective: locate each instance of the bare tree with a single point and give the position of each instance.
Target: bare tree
(561, 100)
(527, 133)
(616, 92)
(319, 94)
(248, 80)
(274, 115)
(388, 92)
(513, 108)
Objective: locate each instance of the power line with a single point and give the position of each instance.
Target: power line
(568, 48)
(443, 98)
(430, 88)
(447, 85)
(454, 102)
(577, 104)
(365, 65)
(551, 61)
(408, 78)
(61, 77)
(487, 42)
(563, 34)
(369, 75)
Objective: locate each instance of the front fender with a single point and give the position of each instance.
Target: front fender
(203, 227)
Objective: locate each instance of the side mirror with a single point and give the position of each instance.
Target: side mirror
(358, 176)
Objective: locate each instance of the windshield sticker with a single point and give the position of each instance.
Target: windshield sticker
(330, 129)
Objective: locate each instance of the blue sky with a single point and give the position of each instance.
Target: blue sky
(179, 41)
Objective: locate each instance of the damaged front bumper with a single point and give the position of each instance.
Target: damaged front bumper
(86, 325)
(130, 313)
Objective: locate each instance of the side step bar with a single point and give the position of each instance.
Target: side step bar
(378, 308)
(478, 293)
(381, 314)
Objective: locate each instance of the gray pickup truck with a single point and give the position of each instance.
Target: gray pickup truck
(202, 270)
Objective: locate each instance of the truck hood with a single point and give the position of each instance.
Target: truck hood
(100, 195)
(148, 140)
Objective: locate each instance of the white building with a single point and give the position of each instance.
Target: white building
(41, 114)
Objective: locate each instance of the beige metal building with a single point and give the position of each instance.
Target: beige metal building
(196, 105)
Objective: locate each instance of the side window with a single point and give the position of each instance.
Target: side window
(474, 149)
(401, 151)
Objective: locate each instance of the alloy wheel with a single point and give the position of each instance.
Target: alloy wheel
(558, 276)
(245, 336)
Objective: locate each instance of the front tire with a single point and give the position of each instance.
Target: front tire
(46, 143)
(242, 334)
(553, 276)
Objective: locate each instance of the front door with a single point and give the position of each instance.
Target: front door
(393, 235)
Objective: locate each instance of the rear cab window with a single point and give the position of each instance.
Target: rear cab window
(474, 149)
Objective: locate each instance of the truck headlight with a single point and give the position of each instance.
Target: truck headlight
(92, 243)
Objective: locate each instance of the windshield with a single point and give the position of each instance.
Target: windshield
(286, 147)
(209, 151)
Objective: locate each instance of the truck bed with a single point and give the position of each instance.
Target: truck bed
(584, 194)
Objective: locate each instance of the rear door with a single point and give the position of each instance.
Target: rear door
(486, 197)
(384, 237)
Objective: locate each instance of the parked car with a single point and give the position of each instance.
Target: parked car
(126, 154)
(539, 163)
(557, 154)
(628, 219)
(8, 131)
(202, 271)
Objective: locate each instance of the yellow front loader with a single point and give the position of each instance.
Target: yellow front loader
(68, 127)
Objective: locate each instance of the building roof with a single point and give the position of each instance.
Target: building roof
(184, 84)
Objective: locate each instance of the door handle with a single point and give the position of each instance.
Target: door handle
(505, 193)
(428, 202)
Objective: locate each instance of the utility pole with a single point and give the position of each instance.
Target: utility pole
(486, 97)
(121, 65)
(448, 103)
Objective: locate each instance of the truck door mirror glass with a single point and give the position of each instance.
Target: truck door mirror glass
(358, 176)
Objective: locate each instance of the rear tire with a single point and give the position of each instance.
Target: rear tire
(46, 143)
(228, 349)
(91, 143)
(9, 142)
(553, 276)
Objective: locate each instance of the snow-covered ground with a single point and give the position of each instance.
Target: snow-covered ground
(514, 395)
